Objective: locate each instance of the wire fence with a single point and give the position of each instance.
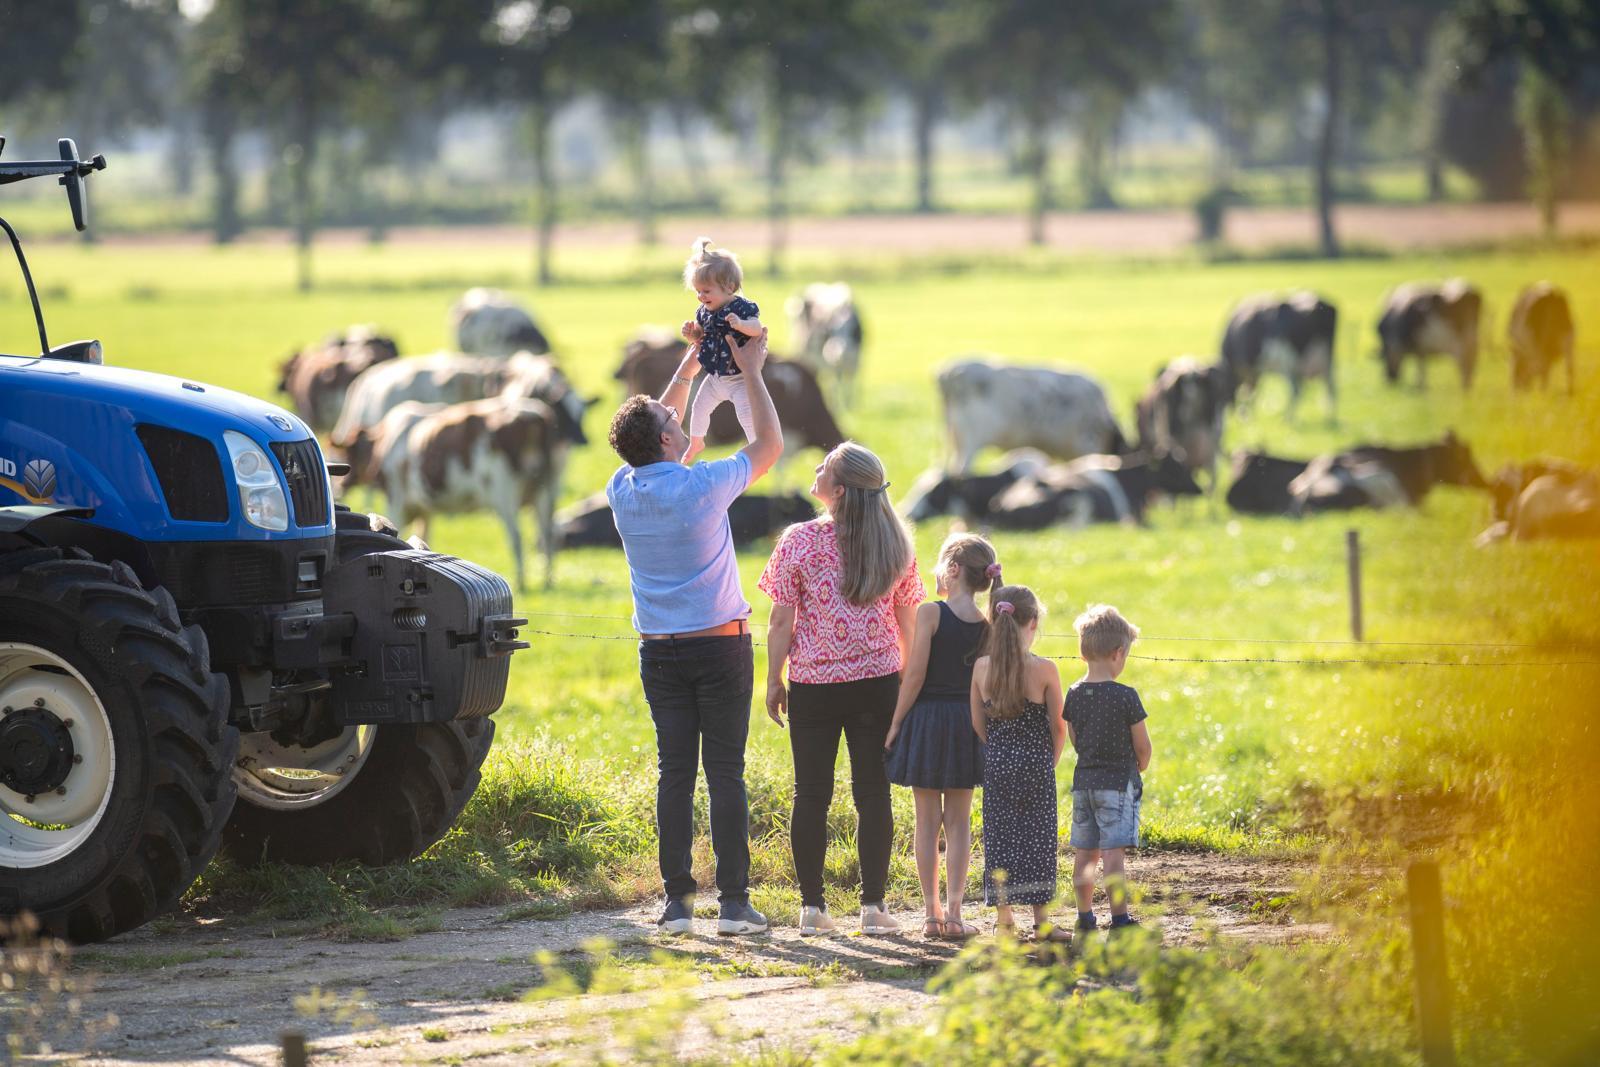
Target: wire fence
(1341, 661)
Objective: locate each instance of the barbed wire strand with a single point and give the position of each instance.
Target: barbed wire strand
(1351, 662)
(1153, 637)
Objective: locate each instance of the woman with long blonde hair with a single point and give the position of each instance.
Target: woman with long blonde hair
(844, 591)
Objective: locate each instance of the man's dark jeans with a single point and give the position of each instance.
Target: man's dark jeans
(699, 692)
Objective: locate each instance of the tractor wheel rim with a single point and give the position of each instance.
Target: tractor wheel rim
(55, 823)
(289, 777)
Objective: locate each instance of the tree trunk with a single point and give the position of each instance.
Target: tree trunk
(1332, 88)
(545, 186)
(1542, 115)
(302, 161)
(1036, 162)
(635, 123)
(1096, 132)
(924, 114)
(219, 124)
(777, 161)
(1434, 172)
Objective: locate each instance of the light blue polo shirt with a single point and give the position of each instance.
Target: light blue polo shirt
(674, 525)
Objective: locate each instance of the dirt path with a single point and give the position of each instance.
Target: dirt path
(219, 992)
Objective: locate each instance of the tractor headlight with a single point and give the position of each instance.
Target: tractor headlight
(260, 493)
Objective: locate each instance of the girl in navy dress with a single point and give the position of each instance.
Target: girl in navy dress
(1016, 710)
(931, 745)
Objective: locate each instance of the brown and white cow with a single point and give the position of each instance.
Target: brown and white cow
(1290, 335)
(316, 378)
(1547, 498)
(1420, 319)
(1541, 336)
(826, 331)
(651, 356)
(1061, 413)
(451, 378)
(499, 454)
(489, 322)
(1181, 414)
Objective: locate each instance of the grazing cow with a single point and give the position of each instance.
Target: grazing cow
(1260, 483)
(1290, 335)
(1090, 489)
(589, 524)
(827, 332)
(316, 378)
(449, 378)
(967, 496)
(1549, 498)
(649, 359)
(1541, 335)
(1420, 320)
(501, 454)
(488, 322)
(1181, 414)
(1377, 476)
(1061, 413)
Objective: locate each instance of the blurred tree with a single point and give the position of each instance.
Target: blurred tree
(214, 60)
(295, 65)
(37, 44)
(625, 62)
(803, 56)
(920, 41)
(1555, 44)
(1035, 57)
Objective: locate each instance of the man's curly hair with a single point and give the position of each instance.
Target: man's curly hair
(636, 432)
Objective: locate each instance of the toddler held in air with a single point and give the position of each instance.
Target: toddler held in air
(723, 318)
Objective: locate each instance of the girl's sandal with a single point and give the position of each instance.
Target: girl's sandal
(933, 929)
(959, 930)
(1006, 930)
(1050, 932)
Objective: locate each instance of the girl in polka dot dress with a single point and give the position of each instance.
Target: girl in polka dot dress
(1016, 710)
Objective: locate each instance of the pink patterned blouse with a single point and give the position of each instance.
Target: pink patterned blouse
(834, 640)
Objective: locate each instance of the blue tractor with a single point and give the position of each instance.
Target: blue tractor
(200, 649)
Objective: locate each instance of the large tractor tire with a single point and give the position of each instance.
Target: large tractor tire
(115, 750)
(373, 794)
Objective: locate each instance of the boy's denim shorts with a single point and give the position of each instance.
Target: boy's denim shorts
(1105, 818)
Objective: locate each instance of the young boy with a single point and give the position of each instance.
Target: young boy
(1105, 723)
(715, 277)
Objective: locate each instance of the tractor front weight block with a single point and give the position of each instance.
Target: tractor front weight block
(433, 638)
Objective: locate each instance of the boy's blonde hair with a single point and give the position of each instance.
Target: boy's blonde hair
(1102, 630)
(717, 266)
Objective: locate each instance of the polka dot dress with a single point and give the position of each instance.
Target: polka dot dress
(1019, 810)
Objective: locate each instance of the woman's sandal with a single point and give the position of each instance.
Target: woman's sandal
(959, 930)
(1050, 932)
(933, 929)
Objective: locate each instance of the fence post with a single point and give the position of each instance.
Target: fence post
(1352, 552)
(1427, 946)
(294, 1048)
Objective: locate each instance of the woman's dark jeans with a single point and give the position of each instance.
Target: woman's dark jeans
(699, 692)
(818, 713)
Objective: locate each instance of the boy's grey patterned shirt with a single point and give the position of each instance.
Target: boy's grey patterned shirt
(1102, 715)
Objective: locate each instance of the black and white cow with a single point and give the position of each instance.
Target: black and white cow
(751, 517)
(1090, 489)
(1376, 476)
(1181, 414)
(489, 322)
(1290, 335)
(1060, 413)
(1420, 319)
(968, 496)
(825, 329)
(1541, 336)
(1260, 483)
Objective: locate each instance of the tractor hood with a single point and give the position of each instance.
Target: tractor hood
(147, 451)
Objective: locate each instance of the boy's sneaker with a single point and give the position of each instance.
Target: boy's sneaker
(814, 921)
(740, 918)
(678, 918)
(1085, 926)
(875, 919)
(1122, 922)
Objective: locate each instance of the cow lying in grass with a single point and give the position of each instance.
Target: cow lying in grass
(589, 524)
(1547, 498)
(1367, 476)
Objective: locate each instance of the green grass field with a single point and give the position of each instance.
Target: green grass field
(1236, 742)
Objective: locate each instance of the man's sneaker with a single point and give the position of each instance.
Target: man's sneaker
(740, 918)
(679, 916)
(815, 921)
(875, 919)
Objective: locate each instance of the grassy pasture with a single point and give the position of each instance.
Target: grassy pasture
(1237, 743)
